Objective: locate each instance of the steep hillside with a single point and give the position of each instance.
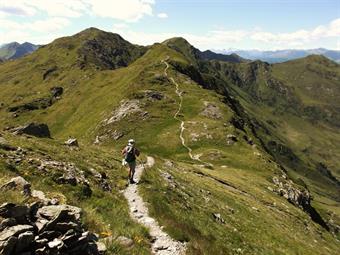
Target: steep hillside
(240, 165)
(16, 50)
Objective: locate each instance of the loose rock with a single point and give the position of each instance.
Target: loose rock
(34, 129)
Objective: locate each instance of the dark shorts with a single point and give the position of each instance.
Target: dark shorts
(132, 164)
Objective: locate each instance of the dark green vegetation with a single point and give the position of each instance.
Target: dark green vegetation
(251, 120)
(16, 50)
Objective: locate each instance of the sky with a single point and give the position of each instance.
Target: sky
(214, 24)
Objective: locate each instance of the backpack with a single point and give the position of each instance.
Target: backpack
(130, 154)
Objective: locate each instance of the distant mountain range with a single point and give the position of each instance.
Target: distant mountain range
(282, 55)
(16, 50)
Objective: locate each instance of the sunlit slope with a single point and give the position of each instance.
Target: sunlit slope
(244, 123)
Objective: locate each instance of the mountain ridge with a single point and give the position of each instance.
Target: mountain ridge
(16, 50)
(277, 56)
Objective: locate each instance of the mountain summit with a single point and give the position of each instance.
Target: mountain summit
(16, 50)
(238, 156)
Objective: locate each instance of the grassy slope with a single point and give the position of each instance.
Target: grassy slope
(90, 96)
(303, 83)
(104, 212)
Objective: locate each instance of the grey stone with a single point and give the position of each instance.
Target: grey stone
(14, 231)
(124, 241)
(51, 211)
(211, 111)
(7, 223)
(56, 243)
(7, 247)
(64, 226)
(56, 91)
(39, 243)
(9, 210)
(17, 183)
(67, 178)
(5, 145)
(24, 241)
(34, 129)
(218, 217)
(72, 142)
(41, 251)
(101, 247)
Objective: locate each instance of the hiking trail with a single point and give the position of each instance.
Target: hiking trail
(182, 126)
(162, 243)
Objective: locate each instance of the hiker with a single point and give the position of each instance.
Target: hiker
(130, 153)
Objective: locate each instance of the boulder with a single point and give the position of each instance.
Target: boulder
(51, 211)
(56, 91)
(124, 241)
(34, 129)
(72, 142)
(7, 247)
(51, 229)
(5, 145)
(101, 247)
(9, 210)
(14, 231)
(56, 243)
(24, 241)
(9, 222)
(211, 111)
(218, 217)
(18, 183)
(154, 95)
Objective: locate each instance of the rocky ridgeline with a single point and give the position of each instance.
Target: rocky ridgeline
(286, 188)
(43, 227)
(300, 198)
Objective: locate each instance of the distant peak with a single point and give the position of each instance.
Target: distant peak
(176, 40)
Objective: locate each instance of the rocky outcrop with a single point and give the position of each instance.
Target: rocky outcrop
(231, 139)
(126, 108)
(56, 92)
(34, 129)
(18, 183)
(5, 145)
(211, 111)
(298, 197)
(45, 229)
(49, 71)
(38, 103)
(72, 142)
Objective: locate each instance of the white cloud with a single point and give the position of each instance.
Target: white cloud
(16, 7)
(119, 26)
(49, 25)
(221, 39)
(58, 8)
(30, 31)
(13, 36)
(162, 15)
(126, 10)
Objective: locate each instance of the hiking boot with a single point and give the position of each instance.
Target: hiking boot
(132, 181)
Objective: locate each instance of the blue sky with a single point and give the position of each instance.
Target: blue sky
(216, 24)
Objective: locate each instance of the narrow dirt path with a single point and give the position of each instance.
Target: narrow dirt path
(162, 244)
(182, 126)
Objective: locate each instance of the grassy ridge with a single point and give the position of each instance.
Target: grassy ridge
(257, 221)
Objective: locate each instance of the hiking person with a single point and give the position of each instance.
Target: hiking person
(130, 153)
